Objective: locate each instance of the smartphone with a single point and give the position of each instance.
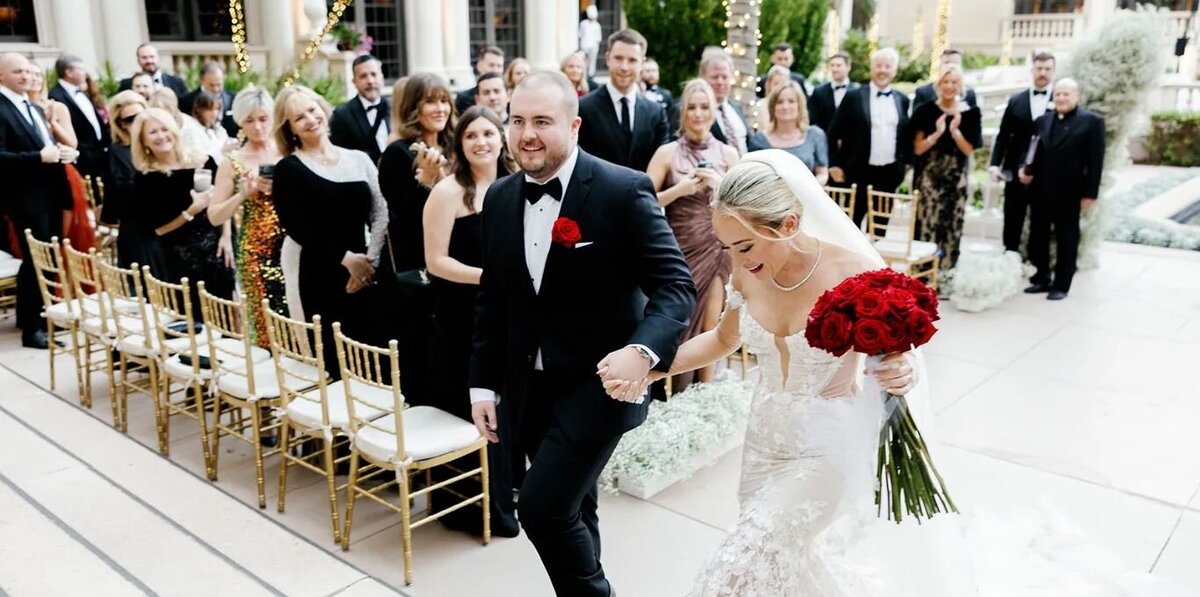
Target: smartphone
(704, 164)
(266, 170)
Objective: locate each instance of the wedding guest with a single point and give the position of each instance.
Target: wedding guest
(212, 80)
(928, 93)
(36, 191)
(788, 129)
(945, 134)
(136, 242)
(192, 133)
(1065, 179)
(147, 60)
(244, 186)
(1012, 145)
(327, 198)
(76, 223)
(91, 88)
(171, 191)
(590, 36)
(716, 67)
(489, 60)
(574, 66)
(143, 84)
(364, 121)
(214, 140)
(493, 95)
(656, 93)
(868, 143)
(517, 69)
(454, 258)
(620, 125)
(826, 98)
(777, 77)
(782, 55)
(685, 174)
(91, 129)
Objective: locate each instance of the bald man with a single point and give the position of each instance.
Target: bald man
(35, 184)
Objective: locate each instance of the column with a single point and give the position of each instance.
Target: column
(424, 27)
(73, 33)
(541, 36)
(275, 29)
(456, 44)
(566, 32)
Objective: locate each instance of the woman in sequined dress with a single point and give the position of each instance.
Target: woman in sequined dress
(241, 189)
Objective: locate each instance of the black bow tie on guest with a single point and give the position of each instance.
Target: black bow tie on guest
(887, 93)
(1039, 92)
(533, 191)
(374, 107)
(838, 87)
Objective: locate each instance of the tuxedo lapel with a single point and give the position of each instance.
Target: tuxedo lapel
(360, 118)
(578, 191)
(31, 133)
(514, 213)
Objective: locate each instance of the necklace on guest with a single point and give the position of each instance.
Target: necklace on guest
(812, 271)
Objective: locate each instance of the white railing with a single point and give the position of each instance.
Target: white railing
(1178, 23)
(1044, 28)
(1182, 96)
(184, 56)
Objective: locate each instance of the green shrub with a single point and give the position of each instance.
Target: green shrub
(975, 60)
(1174, 138)
(677, 31)
(798, 22)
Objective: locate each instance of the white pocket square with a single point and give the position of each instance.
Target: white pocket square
(583, 244)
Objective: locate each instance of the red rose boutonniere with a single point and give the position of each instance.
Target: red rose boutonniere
(565, 233)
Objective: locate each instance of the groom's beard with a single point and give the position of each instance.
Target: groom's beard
(544, 165)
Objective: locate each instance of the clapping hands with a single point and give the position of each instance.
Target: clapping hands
(431, 164)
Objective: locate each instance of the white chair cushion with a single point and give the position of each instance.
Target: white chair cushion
(134, 344)
(895, 249)
(62, 312)
(229, 349)
(266, 379)
(9, 268)
(6, 256)
(428, 433)
(307, 413)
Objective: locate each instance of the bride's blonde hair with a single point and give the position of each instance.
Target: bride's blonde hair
(754, 194)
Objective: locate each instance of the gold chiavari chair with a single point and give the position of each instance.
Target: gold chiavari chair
(891, 224)
(9, 268)
(404, 442)
(179, 347)
(60, 311)
(106, 240)
(244, 379)
(844, 197)
(96, 323)
(315, 408)
(137, 351)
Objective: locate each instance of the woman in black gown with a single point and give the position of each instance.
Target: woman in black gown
(327, 197)
(165, 200)
(453, 256)
(135, 242)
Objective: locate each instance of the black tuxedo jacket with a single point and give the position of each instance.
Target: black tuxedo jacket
(602, 135)
(30, 186)
(186, 104)
(925, 94)
(350, 128)
(821, 105)
(1070, 156)
(850, 131)
(1016, 129)
(592, 299)
(93, 157)
(169, 81)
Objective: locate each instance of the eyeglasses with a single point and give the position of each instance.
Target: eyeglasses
(128, 120)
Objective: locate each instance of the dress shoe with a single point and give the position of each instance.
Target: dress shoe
(1038, 288)
(37, 339)
(1056, 295)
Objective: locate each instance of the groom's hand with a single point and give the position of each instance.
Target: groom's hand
(630, 368)
(484, 415)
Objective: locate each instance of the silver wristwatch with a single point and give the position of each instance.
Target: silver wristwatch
(645, 352)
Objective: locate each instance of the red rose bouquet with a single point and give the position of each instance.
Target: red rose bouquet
(878, 313)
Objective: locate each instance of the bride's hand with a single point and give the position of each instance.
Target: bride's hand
(896, 373)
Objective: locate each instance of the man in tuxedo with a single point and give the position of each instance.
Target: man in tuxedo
(364, 122)
(826, 98)
(926, 93)
(1065, 180)
(573, 246)
(621, 125)
(91, 130)
(654, 92)
(728, 127)
(212, 80)
(491, 93)
(868, 142)
(35, 184)
(147, 59)
(1012, 145)
(782, 55)
(490, 60)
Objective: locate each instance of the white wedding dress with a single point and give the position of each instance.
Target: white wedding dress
(808, 525)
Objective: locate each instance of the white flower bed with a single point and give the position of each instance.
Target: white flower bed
(680, 436)
(1129, 227)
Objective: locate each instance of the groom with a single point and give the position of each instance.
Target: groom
(572, 248)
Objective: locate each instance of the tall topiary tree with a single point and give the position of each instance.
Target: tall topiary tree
(798, 22)
(1116, 67)
(677, 32)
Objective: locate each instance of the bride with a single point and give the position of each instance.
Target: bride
(808, 524)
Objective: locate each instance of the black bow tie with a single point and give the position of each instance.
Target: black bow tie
(838, 87)
(887, 93)
(533, 192)
(1039, 92)
(374, 107)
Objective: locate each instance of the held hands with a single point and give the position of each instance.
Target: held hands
(896, 373)
(1024, 177)
(50, 154)
(484, 416)
(361, 271)
(67, 154)
(624, 374)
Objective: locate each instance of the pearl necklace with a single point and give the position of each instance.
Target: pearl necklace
(806, 278)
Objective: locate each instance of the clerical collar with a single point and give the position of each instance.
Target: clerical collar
(1068, 114)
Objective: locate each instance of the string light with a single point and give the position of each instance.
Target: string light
(331, 21)
(1006, 52)
(918, 38)
(237, 26)
(939, 37)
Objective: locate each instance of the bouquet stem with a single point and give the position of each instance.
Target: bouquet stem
(908, 480)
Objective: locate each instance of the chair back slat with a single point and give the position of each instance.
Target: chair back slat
(125, 295)
(171, 307)
(86, 284)
(295, 341)
(226, 320)
(363, 365)
(844, 197)
(48, 264)
(882, 221)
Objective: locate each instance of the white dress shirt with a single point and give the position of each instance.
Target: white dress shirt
(838, 94)
(884, 120)
(83, 103)
(24, 107)
(1038, 104)
(381, 132)
(616, 96)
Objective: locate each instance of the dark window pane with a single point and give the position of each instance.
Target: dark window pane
(165, 19)
(499, 23)
(17, 22)
(608, 14)
(385, 24)
(211, 18)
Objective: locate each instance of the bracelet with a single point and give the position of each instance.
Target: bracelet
(187, 216)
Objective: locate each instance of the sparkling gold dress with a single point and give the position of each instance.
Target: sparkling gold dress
(259, 239)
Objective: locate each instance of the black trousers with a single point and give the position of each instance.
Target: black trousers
(880, 178)
(1062, 218)
(29, 296)
(559, 497)
(1016, 209)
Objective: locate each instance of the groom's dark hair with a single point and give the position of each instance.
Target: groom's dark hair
(542, 79)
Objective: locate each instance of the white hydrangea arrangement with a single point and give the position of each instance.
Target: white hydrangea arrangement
(982, 280)
(679, 430)
(1130, 228)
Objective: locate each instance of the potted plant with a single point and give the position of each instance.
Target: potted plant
(352, 38)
